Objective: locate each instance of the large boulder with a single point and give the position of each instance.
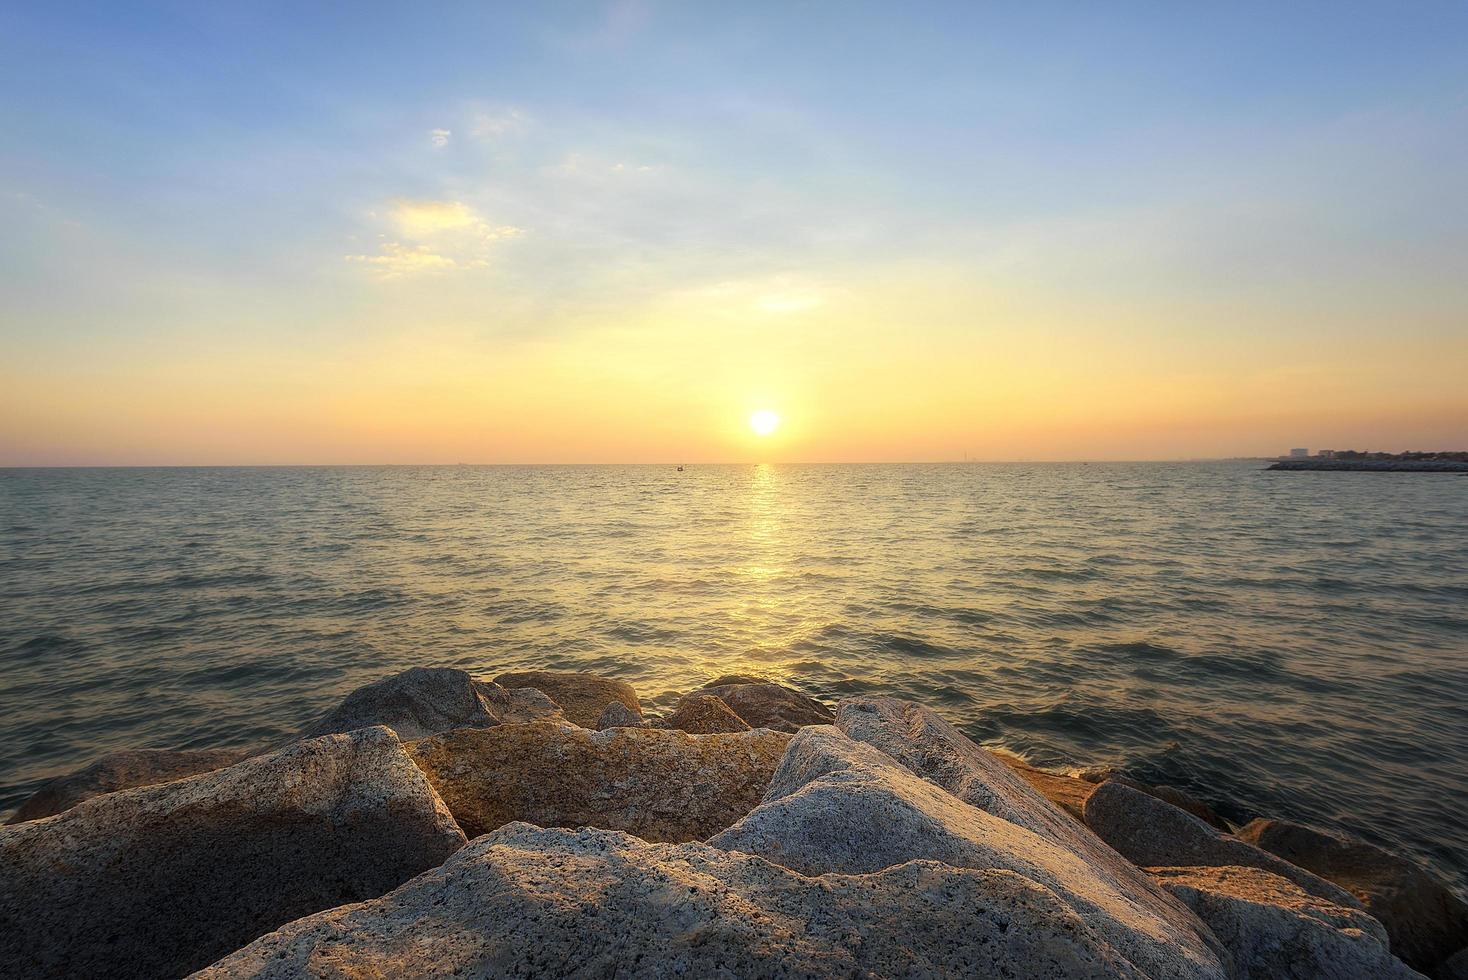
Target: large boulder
(661, 785)
(122, 770)
(526, 902)
(427, 700)
(1152, 833)
(618, 715)
(762, 704)
(704, 714)
(1426, 922)
(839, 806)
(1275, 930)
(1455, 967)
(582, 697)
(161, 880)
(941, 754)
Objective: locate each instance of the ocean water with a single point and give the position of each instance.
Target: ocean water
(1291, 644)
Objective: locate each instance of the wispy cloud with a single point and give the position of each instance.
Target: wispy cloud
(442, 236)
(440, 137)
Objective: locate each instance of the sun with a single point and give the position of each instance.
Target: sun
(764, 422)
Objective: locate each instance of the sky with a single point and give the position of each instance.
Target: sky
(612, 232)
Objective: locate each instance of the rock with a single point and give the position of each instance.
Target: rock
(1275, 930)
(1151, 833)
(838, 806)
(427, 700)
(705, 714)
(1066, 792)
(618, 715)
(762, 704)
(1190, 804)
(1168, 794)
(662, 785)
(1455, 967)
(161, 880)
(1426, 922)
(122, 770)
(582, 697)
(526, 902)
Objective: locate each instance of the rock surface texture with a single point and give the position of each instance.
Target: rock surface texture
(527, 902)
(705, 714)
(660, 784)
(1426, 922)
(122, 770)
(1066, 792)
(762, 704)
(1275, 930)
(618, 715)
(839, 806)
(426, 700)
(583, 697)
(161, 880)
(1152, 833)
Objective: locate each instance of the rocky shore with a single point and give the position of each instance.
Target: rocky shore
(1372, 465)
(542, 825)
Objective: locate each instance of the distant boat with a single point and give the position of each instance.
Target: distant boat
(680, 469)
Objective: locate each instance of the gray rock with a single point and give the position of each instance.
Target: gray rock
(1154, 834)
(526, 902)
(122, 770)
(618, 715)
(1455, 967)
(1193, 805)
(583, 697)
(762, 704)
(839, 806)
(660, 785)
(935, 750)
(1275, 930)
(1426, 922)
(705, 714)
(161, 880)
(424, 701)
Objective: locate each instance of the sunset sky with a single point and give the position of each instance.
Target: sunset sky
(320, 233)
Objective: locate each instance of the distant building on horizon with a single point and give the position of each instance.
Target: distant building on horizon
(1298, 453)
(1325, 453)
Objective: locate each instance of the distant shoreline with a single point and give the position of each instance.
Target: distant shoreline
(1372, 465)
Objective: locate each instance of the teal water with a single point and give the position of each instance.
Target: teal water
(1290, 644)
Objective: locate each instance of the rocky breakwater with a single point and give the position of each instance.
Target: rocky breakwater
(751, 832)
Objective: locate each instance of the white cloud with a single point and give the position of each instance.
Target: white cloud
(442, 236)
(439, 137)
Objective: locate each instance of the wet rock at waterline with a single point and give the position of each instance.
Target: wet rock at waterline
(122, 770)
(762, 704)
(161, 880)
(423, 701)
(583, 697)
(1152, 833)
(705, 714)
(618, 715)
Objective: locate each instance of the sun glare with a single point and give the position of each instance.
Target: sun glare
(764, 422)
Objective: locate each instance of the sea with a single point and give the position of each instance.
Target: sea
(1280, 644)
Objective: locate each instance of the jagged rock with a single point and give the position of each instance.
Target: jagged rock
(661, 785)
(618, 715)
(161, 880)
(1066, 792)
(527, 902)
(839, 806)
(762, 704)
(1154, 834)
(1098, 774)
(1275, 930)
(705, 714)
(427, 700)
(122, 770)
(1426, 922)
(582, 697)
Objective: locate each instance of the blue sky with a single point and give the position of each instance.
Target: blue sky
(200, 191)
